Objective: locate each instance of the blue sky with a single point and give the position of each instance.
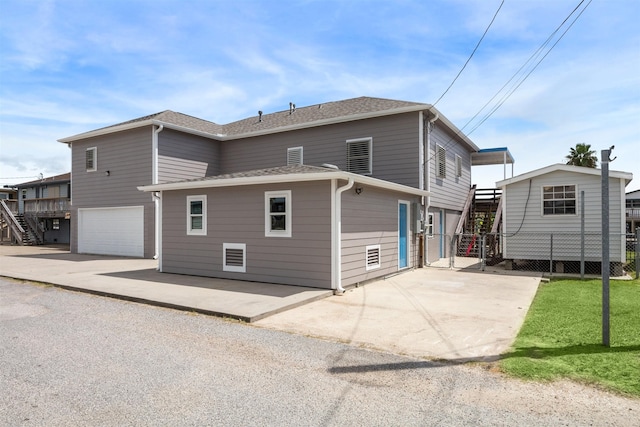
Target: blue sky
(71, 66)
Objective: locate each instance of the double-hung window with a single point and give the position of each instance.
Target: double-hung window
(91, 159)
(197, 215)
(360, 156)
(277, 212)
(559, 200)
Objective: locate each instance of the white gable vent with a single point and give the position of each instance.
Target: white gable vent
(294, 156)
(235, 257)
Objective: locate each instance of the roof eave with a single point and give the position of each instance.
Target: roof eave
(273, 179)
(627, 176)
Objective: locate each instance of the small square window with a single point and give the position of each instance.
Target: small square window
(56, 224)
(277, 213)
(197, 215)
(91, 159)
(559, 200)
(429, 225)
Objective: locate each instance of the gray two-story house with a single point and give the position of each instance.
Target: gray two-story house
(368, 143)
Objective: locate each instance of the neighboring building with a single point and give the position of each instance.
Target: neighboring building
(406, 143)
(633, 210)
(8, 193)
(547, 201)
(45, 206)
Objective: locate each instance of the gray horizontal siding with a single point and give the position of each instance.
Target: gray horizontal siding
(528, 231)
(395, 147)
(371, 218)
(127, 156)
(236, 215)
(183, 156)
(450, 192)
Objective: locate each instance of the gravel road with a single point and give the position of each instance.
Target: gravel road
(75, 359)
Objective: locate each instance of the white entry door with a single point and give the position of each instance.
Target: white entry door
(111, 231)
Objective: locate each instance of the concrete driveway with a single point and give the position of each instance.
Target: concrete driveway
(458, 315)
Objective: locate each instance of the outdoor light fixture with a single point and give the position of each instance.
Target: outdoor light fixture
(358, 190)
(107, 173)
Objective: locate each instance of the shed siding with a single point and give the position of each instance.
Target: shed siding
(237, 215)
(128, 158)
(371, 218)
(528, 232)
(395, 147)
(450, 192)
(183, 156)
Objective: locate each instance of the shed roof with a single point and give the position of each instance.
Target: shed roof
(627, 176)
(282, 174)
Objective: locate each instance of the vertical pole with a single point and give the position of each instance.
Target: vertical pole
(637, 252)
(551, 255)
(582, 234)
(483, 252)
(604, 156)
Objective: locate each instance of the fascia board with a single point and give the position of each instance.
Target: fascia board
(627, 176)
(277, 179)
(453, 128)
(151, 122)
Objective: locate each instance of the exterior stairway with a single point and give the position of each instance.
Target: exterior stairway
(482, 218)
(29, 237)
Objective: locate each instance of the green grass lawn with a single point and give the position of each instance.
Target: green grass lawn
(562, 336)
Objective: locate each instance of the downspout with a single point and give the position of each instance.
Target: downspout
(427, 183)
(336, 222)
(154, 180)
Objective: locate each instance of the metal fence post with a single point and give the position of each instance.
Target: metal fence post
(551, 256)
(483, 252)
(582, 234)
(636, 249)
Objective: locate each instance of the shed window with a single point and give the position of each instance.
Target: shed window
(277, 222)
(441, 162)
(91, 159)
(294, 156)
(429, 227)
(235, 257)
(373, 257)
(359, 156)
(559, 200)
(197, 215)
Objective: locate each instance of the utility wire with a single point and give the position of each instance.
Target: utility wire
(516, 85)
(472, 53)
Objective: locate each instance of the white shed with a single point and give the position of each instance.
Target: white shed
(542, 214)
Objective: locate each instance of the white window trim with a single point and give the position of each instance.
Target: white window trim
(372, 266)
(441, 159)
(196, 232)
(429, 225)
(370, 165)
(268, 232)
(291, 150)
(234, 268)
(558, 215)
(95, 158)
(458, 166)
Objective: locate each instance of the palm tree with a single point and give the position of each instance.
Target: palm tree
(582, 155)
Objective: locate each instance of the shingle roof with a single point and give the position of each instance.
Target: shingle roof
(316, 113)
(348, 109)
(280, 170)
(49, 180)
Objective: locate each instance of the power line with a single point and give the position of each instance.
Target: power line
(518, 83)
(470, 56)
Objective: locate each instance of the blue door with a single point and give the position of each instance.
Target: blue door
(402, 235)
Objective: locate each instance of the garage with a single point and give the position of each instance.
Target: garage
(111, 231)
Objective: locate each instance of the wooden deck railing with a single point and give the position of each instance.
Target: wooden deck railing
(55, 205)
(16, 232)
(633, 213)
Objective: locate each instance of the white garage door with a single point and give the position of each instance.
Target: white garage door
(111, 231)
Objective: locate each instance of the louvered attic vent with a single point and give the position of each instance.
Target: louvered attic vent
(373, 257)
(359, 159)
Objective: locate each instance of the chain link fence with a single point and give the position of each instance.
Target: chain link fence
(552, 253)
